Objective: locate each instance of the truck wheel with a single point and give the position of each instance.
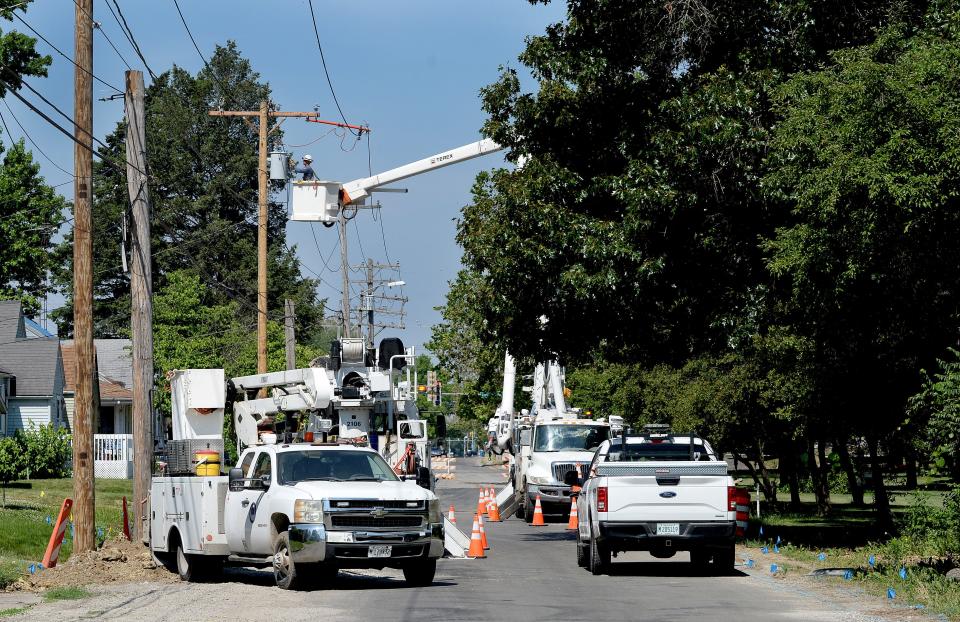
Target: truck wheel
(422, 574)
(188, 566)
(581, 552)
(528, 509)
(725, 559)
(599, 557)
(520, 513)
(284, 570)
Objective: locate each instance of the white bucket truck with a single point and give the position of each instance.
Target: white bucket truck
(304, 508)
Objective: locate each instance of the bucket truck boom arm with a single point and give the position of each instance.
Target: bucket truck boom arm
(356, 190)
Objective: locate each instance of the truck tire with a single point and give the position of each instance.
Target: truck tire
(284, 569)
(520, 512)
(188, 566)
(725, 559)
(581, 552)
(420, 575)
(599, 561)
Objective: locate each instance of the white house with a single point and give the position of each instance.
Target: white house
(114, 380)
(31, 373)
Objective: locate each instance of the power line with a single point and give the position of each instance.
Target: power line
(97, 26)
(61, 53)
(128, 33)
(323, 61)
(32, 142)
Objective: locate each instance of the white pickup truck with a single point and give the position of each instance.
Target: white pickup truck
(656, 492)
(304, 509)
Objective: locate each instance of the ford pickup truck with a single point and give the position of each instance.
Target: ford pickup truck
(655, 492)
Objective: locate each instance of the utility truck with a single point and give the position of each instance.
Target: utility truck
(296, 501)
(550, 441)
(656, 492)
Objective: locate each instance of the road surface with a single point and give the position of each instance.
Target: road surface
(530, 574)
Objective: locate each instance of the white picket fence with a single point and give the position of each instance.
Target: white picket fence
(113, 456)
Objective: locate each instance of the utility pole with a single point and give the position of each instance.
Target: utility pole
(263, 115)
(368, 302)
(83, 506)
(288, 333)
(141, 295)
(344, 274)
(369, 298)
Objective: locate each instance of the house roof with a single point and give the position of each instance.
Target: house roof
(33, 362)
(11, 321)
(110, 388)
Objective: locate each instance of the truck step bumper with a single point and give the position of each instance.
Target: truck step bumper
(642, 536)
(313, 543)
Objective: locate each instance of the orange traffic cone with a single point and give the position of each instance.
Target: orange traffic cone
(476, 545)
(452, 515)
(574, 521)
(483, 535)
(493, 510)
(481, 503)
(538, 515)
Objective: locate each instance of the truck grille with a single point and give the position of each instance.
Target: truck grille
(369, 504)
(374, 522)
(560, 469)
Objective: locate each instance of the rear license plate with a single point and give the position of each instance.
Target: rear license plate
(668, 529)
(380, 550)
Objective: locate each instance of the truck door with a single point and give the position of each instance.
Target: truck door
(242, 506)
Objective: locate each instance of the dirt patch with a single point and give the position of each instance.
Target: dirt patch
(117, 561)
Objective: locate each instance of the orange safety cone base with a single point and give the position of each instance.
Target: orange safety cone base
(452, 515)
(482, 503)
(574, 521)
(483, 536)
(476, 546)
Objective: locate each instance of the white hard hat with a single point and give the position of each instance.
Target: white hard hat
(308, 157)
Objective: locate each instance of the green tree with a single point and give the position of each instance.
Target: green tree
(203, 193)
(11, 463)
(31, 212)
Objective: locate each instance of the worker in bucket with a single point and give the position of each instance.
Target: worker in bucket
(306, 169)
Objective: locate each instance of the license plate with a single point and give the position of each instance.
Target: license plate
(668, 529)
(380, 550)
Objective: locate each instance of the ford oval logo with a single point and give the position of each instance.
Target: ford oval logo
(668, 494)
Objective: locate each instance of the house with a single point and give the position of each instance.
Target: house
(114, 383)
(31, 373)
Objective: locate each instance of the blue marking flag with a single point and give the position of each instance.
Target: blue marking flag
(764, 550)
(776, 548)
(848, 575)
(773, 568)
(822, 556)
(71, 530)
(778, 540)
(761, 530)
(49, 520)
(749, 563)
(903, 573)
(32, 568)
(872, 561)
(891, 593)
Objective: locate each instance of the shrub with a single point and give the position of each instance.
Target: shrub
(11, 463)
(46, 451)
(934, 531)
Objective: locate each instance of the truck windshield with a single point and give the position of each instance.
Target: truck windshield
(569, 437)
(332, 466)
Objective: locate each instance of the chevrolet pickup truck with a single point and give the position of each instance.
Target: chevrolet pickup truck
(655, 492)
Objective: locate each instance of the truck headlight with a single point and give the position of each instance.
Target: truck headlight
(540, 481)
(434, 516)
(308, 511)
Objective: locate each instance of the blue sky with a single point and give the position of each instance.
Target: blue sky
(411, 70)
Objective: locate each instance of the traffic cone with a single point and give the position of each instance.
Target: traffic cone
(476, 545)
(493, 511)
(481, 503)
(452, 515)
(483, 536)
(538, 515)
(574, 521)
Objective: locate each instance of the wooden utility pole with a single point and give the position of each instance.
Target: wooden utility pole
(83, 415)
(263, 115)
(141, 295)
(289, 338)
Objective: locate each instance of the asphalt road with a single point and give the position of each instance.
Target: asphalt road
(529, 574)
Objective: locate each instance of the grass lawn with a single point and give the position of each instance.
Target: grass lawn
(24, 532)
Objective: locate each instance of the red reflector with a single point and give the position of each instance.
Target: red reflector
(602, 499)
(308, 437)
(732, 498)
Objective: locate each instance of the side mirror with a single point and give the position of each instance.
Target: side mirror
(265, 481)
(570, 478)
(235, 479)
(423, 477)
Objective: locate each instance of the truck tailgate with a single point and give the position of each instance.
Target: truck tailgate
(666, 491)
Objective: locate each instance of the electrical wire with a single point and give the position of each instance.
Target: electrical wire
(28, 137)
(97, 26)
(61, 53)
(323, 61)
(128, 33)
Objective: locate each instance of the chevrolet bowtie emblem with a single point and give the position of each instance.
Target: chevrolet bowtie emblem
(378, 513)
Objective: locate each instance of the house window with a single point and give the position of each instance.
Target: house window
(106, 420)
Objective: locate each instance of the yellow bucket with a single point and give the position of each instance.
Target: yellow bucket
(207, 462)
